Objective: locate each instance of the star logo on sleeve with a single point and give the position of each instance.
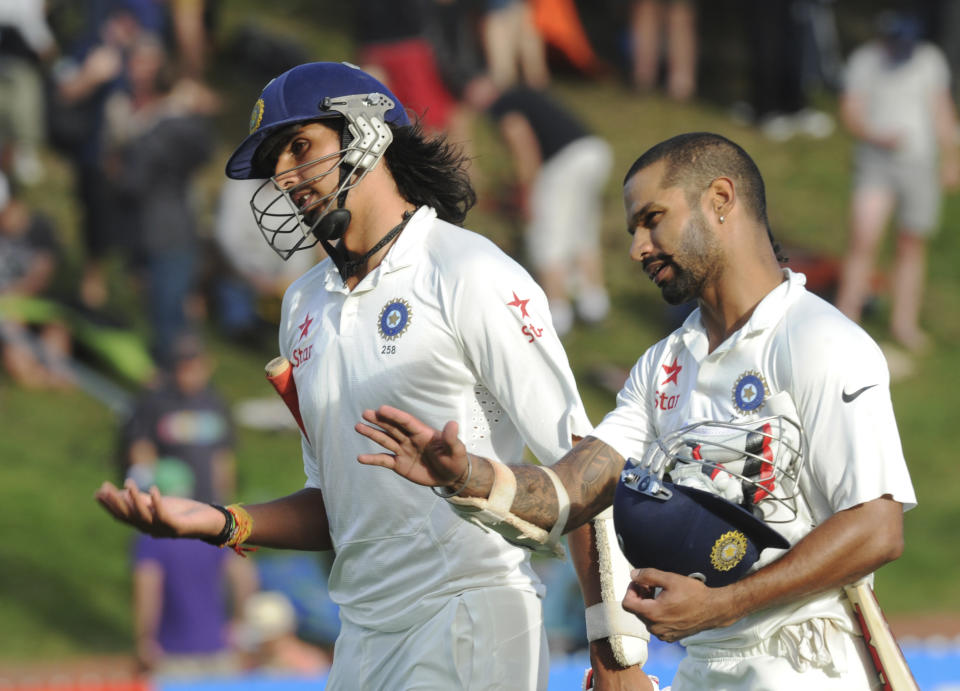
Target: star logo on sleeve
(304, 327)
(522, 304)
(671, 371)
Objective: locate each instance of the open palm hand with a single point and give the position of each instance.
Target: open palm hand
(414, 450)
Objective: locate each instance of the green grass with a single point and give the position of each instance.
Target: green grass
(64, 581)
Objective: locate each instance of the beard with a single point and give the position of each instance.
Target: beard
(696, 260)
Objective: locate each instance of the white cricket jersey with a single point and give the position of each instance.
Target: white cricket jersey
(794, 345)
(448, 327)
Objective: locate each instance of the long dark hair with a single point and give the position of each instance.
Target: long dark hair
(431, 171)
(428, 170)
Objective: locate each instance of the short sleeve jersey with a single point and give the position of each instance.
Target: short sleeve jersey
(795, 346)
(898, 98)
(448, 327)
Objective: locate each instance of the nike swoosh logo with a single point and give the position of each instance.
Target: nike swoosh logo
(848, 397)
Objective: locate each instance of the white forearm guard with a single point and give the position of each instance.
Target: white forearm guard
(494, 512)
(607, 619)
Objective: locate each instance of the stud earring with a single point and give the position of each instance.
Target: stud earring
(721, 219)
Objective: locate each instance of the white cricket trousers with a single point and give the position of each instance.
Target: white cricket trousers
(765, 667)
(486, 639)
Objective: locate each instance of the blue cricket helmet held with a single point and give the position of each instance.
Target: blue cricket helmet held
(685, 530)
(702, 499)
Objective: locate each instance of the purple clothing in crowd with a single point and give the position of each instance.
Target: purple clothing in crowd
(194, 615)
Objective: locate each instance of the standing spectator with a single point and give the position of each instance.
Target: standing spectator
(192, 23)
(160, 137)
(34, 342)
(26, 41)
(83, 80)
(182, 594)
(898, 106)
(392, 43)
(183, 417)
(676, 22)
(186, 27)
(561, 171)
(779, 35)
(451, 28)
(514, 49)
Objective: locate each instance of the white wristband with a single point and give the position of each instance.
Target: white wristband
(627, 635)
(606, 619)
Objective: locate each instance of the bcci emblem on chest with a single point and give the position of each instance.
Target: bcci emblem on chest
(394, 319)
(749, 392)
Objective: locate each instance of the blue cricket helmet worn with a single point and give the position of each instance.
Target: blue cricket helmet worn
(685, 530)
(301, 94)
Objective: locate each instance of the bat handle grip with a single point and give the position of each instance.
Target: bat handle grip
(279, 373)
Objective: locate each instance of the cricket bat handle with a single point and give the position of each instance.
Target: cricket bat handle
(888, 659)
(279, 373)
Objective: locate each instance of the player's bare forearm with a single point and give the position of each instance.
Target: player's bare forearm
(850, 544)
(582, 543)
(438, 458)
(297, 521)
(589, 473)
(845, 547)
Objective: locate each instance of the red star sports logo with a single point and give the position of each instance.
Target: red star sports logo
(301, 355)
(671, 371)
(660, 398)
(522, 304)
(304, 327)
(531, 332)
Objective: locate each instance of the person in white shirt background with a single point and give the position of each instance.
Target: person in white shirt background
(897, 104)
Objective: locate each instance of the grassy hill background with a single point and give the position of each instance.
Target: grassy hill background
(64, 569)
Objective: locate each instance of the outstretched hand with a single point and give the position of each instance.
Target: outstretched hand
(415, 450)
(154, 514)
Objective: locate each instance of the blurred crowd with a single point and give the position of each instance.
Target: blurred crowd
(121, 93)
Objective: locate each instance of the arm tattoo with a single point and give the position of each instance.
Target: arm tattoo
(589, 472)
(536, 500)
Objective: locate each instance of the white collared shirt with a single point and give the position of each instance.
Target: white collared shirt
(447, 327)
(794, 345)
